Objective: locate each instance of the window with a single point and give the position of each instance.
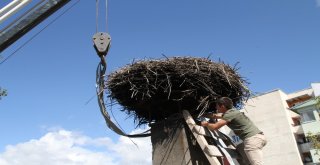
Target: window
(308, 116)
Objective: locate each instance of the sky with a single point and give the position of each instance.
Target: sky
(51, 113)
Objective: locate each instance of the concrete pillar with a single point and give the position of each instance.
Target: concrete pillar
(174, 144)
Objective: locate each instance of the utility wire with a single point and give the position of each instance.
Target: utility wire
(35, 35)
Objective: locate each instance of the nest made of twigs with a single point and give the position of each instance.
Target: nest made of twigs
(152, 90)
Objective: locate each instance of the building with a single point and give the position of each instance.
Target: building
(310, 123)
(286, 120)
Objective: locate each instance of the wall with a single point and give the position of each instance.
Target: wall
(269, 112)
(313, 127)
(316, 89)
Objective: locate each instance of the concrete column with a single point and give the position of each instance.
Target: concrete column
(174, 144)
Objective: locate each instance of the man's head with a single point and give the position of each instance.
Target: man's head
(223, 104)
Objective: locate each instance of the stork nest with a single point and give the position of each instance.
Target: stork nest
(153, 90)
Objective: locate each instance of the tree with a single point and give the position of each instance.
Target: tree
(3, 93)
(315, 141)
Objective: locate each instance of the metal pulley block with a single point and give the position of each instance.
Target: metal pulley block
(101, 43)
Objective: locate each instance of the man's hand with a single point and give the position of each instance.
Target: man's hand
(204, 123)
(214, 126)
(213, 115)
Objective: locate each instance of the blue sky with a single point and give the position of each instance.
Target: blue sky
(49, 81)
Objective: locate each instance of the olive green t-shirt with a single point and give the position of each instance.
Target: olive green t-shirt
(240, 124)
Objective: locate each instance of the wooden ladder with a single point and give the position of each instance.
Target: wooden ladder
(218, 149)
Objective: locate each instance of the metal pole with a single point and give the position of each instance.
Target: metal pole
(32, 19)
(12, 8)
(9, 6)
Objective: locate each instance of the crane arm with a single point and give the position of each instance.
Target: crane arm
(30, 19)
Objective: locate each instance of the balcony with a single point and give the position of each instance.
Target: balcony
(311, 126)
(297, 129)
(305, 147)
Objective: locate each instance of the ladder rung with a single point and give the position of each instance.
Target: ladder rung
(199, 130)
(212, 150)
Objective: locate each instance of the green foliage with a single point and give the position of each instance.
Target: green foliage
(3, 93)
(315, 141)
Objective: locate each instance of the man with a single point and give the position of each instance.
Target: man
(253, 139)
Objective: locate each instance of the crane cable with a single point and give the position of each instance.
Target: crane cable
(100, 79)
(97, 15)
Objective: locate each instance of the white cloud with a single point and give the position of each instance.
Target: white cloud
(71, 148)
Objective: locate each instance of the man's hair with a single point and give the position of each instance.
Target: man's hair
(226, 101)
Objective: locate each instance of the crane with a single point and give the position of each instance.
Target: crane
(101, 43)
(30, 19)
(40, 12)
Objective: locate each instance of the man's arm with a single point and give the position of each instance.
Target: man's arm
(213, 115)
(214, 126)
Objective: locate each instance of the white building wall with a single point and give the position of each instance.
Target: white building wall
(269, 113)
(312, 127)
(317, 115)
(316, 89)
